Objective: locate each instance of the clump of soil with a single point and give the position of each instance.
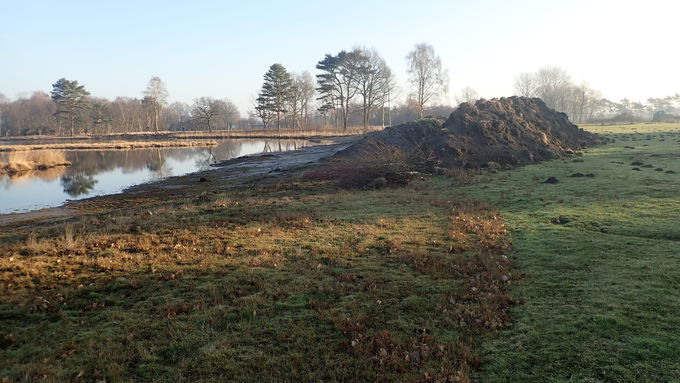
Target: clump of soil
(551, 180)
(579, 175)
(487, 134)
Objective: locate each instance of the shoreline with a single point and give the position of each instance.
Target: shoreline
(113, 145)
(194, 135)
(236, 171)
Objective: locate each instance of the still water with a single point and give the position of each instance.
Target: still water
(95, 173)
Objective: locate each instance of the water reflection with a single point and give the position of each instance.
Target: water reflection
(78, 184)
(110, 171)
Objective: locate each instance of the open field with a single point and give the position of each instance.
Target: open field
(299, 281)
(601, 261)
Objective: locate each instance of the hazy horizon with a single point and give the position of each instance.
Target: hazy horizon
(221, 50)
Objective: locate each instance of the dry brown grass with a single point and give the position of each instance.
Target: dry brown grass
(371, 281)
(216, 134)
(22, 163)
(107, 145)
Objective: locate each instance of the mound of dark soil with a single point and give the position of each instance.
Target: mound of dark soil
(408, 137)
(507, 131)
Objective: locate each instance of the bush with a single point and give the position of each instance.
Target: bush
(366, 169)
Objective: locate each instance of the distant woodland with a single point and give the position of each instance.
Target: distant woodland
(350, 88)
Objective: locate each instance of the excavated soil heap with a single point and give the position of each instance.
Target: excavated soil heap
(506, 132)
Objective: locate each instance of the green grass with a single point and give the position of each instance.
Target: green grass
(298, 281)
(601, 258)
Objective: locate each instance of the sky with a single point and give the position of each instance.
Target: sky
(221, 49)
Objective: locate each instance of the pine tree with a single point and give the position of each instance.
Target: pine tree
(71, 99)
(275, 92)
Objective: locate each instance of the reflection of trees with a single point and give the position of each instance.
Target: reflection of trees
(157, 160)
(204, 160)
(77, 184)
(283, 145)
(158, 165)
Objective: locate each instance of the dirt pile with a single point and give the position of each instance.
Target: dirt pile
(490, 133)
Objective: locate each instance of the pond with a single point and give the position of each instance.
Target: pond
(101, 172)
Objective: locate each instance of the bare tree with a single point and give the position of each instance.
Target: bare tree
(427, 76)
(205, 111)
(301, 94)
(230, 114)
(32, 115)
(177, 115)
(553, 86)
(305, 85)
(156, 97)
(467, 94)
(4, 104)
(525, 85)
(374, 81)
(212, 113)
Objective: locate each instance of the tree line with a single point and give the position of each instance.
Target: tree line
(350, 88)
(70, 109)
(583, 104)
(357, 82)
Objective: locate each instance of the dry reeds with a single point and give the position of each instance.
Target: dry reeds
(108, 145)
(20, 163)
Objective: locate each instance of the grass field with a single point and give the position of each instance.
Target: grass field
(601, 259)
(298, 281)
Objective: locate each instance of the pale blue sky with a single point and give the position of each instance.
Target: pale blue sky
(222, 48)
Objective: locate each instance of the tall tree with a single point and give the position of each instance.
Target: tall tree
(205, 111)
(426, 75)
(305, 86)
(275, 93)
(230, 113)
(374, 81)
(71, 100)
(177, 115)
(301, 94)
(337, 82)
(156, 97)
